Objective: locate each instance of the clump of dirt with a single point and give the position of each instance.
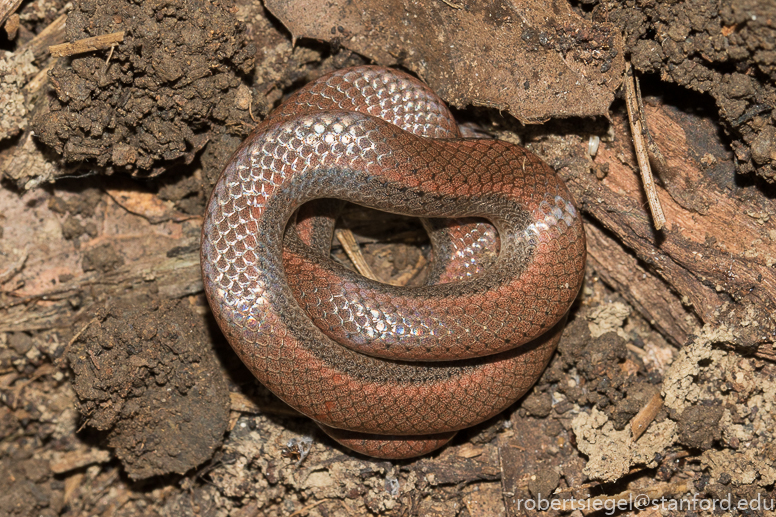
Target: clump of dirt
(725, 49)
(29, 488)
(173, 84)
(149, 378)
(104, 257)
(597, 378)
(699, 426)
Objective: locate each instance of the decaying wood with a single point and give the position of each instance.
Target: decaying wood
(81, 46)
(39, 45)
(78, 459)
(715, 258)
(171, 274)
(526, 71)
(652, 296)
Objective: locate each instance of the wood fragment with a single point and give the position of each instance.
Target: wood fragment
(353, 251)
(638, 131)
(39, 45)
(766, 351)
(77, 459)
(12, 26)
(454, 6)
(40, 79)
(8, 8)
(72, 484)
(87, 44)
(683, 278)
(636, 350)
(645, 417)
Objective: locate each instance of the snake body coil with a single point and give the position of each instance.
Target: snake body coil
(410, 365)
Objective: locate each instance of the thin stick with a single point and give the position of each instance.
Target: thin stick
(353, 251)
(652, 149)
(638, 132)
(636, 350)
(87, 44)
(645, 417)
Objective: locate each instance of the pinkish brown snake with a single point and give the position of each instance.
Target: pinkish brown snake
(410, 365)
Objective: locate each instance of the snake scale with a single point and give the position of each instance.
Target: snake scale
(389, 371)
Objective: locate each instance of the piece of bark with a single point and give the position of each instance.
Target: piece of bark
(54, 33)
(171, 274)
(78, 459)
(56, 283)
(716, 254)
(530, 58)
(648, 293)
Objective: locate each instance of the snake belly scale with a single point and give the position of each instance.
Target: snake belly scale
(389, 371)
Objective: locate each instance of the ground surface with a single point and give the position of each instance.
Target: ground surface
(118, 394)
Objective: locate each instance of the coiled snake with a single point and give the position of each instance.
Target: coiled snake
(389, 371)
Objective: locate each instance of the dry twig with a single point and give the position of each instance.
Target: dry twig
(87, 44)
(639, 132)
(353, 251)
(645, 417)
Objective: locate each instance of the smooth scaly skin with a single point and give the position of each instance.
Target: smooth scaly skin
(295, 158)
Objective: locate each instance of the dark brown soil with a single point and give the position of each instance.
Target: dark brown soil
(149, 379)
(175, 83)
